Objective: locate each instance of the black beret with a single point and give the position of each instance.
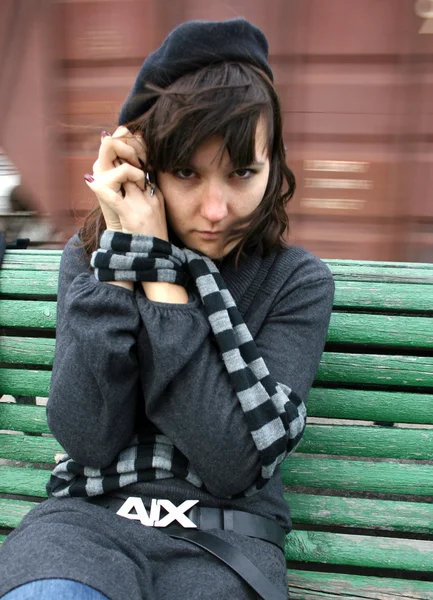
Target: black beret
(190, 47)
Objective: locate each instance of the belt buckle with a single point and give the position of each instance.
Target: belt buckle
(133, 508)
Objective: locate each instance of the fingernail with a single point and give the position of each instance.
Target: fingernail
(89, 178)
(104, 133)
(143, 166)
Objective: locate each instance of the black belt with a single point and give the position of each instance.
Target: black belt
(228, 520)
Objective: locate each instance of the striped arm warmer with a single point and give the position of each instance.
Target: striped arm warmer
(275, 415)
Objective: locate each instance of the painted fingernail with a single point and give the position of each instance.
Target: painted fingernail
(104, 133)
(89, 178)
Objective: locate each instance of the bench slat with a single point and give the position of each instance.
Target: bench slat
(414, 275)
(21, 382)
(28, 351)
(32, 260)
(357, 475)
(344, 403)
(29, 448)
(397, 407)
(28, 283)
(359, 550)
(368, 441)
(309, 585)
(387, 330)
(415, 444)
(338, 367)
(19, 417)
(344, 328)
(39, 314)
(305, 509)
(335, 367)
(319, 439)
(23, 481)
(380, 264)
(363, 295)
(389, 515)
(13, 511)
(377, 296)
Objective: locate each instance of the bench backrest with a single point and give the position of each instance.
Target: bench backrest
(361, 483)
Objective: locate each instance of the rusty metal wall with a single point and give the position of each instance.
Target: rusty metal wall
(356, 82)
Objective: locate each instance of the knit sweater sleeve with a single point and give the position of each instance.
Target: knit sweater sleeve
(189, 394)
(95, 380)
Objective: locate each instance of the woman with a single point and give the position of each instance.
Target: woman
(188, 337)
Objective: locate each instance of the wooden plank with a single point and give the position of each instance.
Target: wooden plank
(378, 296)
(23, 481)
(335, 367)
(32, 260)
(19, 417)
(368, 441)
(18, 446)
(380, 264)
(373, 272)
(309, 585)
(27, 351)
(416, 371)
(20, 382)
(359, 550)
(388, 330)
(28, 283)
(390, 515)
(13, 511)
(357, 475)
(367, 405)
(22, 313)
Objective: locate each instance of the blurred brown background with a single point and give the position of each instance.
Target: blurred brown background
(355, 78)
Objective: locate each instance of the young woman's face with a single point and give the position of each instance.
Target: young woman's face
(205, 199)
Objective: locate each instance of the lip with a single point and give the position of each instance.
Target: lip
(210, 235)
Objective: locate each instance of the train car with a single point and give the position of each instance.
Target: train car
(355, 79)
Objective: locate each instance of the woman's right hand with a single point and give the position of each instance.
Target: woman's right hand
(122, 147)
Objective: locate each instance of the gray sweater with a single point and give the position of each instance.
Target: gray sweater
(124, 365)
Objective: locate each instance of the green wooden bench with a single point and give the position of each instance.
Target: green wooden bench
(361, 493)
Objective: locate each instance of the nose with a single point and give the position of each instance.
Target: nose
(213, 206)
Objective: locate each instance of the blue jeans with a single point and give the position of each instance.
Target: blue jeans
(54, 589)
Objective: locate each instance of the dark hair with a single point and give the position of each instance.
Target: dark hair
(227, 100)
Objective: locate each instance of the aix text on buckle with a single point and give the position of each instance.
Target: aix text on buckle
(152, 518)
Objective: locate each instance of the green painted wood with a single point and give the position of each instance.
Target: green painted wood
(397, 407)
(28, 283)
(378, 296)
(13, 511)
(2, 539)
(23, 481)
(28, 351)
(368, 441)
(357, 475)
(399, 274)
(19, 446)
(309, 509)
(20, 382)
(22, 313)
(32, 260)
(389, 330)
(359, 550)
(375, 369)
(361, 264)
(334, 367)
(20, 417)
(310, 585)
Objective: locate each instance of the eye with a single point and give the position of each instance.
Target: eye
(185, 173)
(243, 173)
